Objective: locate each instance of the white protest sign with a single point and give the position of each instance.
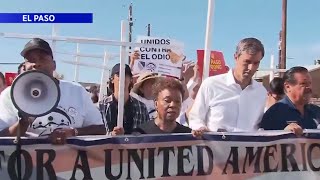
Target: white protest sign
(159, 60)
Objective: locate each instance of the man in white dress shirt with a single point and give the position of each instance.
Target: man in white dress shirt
(232, 101)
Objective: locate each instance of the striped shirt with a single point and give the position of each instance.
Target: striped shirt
(136, 110)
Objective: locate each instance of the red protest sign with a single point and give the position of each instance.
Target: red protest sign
(10, 77)
(217, 63)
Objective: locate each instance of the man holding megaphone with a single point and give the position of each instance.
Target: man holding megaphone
(45, 107)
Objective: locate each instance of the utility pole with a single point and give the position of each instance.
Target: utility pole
(279, 47)
(284, 35)
(130, 27)
(149, 29)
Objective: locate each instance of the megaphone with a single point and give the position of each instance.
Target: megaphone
(35, 94)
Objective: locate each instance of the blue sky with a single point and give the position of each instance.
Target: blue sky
(183, 20)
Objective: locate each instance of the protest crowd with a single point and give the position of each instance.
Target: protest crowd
(162, 104)
(158, 104)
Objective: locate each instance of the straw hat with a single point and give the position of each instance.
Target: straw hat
(142, 78)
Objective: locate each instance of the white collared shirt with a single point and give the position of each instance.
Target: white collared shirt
(222, 104)
(184, 108)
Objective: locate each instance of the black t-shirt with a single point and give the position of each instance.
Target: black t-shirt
(150, 127)
(127, 116)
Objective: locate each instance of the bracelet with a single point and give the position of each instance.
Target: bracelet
(76, 132)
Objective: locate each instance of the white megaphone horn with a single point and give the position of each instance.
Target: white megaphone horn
(35, 94)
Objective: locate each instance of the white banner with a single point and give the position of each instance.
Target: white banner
(263, 156)
(160, 60)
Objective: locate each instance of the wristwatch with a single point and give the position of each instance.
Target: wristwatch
(76, 132)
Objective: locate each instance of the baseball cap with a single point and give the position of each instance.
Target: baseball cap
(116, 70)
(36, 43)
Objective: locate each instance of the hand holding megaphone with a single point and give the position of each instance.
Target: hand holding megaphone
(34, 94)
(26, 118)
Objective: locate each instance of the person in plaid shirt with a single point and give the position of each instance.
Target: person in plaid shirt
(135, 112)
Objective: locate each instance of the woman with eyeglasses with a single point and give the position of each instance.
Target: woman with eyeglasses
(168, 94)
